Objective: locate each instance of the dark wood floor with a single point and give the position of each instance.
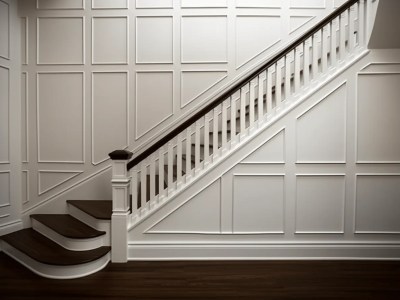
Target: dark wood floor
(212, 280)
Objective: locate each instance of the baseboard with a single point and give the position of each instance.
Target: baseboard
(11, 227)
(264, 252)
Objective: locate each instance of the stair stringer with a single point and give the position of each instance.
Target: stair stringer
(146, 243)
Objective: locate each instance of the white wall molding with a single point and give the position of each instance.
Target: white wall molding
(10, 227)
(25, 117)
(42, 190)
(25, 40)
(123, 4)
(5, 191)
(51, 5)
(25, 187)
(204, 3)
(154, 4)
(7, 28)
(8, 110)
(307, 4)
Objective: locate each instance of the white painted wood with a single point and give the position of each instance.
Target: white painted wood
(325, 47)
(253, 84)
(352, 20)
(215, 131)
(143, 184)
(152, 178)
(306, 68)
(316, 46)
(288, 75)
(161, 189)
(197, 146)
(224, 126)
(361, 23)
(297, 65)
(188, 153)
(243, 101)
(179, 162)
(342, 43)
(269, 90)
(334, 33)
(170, 168)
(206, 139)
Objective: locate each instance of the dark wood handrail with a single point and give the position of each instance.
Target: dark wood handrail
(238, 85)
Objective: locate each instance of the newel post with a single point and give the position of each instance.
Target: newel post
(120, 198)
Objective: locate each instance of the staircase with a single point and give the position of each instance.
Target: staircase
(64, 246)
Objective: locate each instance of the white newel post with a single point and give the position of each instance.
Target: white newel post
(121, 205)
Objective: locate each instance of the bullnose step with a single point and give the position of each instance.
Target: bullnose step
(99, 209)
(67, 226)
(44, 250)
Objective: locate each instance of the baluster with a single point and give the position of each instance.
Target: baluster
(206, 139)
(143, 184)
(297, 67)
(253, 84)
(233, 119)
(342, 42)
(215, 131)
(306, 68)
(197, 146)
(368, 19)
(161, 192)
(324, 52)
(269, 90)
(152, 179)
(352, 20)
(288, 75)
(179, 161)
(134, 189)
(315, 46)
(334, 28)
(188, 153)
(243, 95)
(261, 79)
(361, 23)
(170, 166)
(278, 84)
(224, 124)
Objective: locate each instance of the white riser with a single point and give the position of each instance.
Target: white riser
(68, 243)
(56, 272)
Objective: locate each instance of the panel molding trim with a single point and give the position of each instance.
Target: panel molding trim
(7, 204)
(109, 7)
(81, 7)
(7, 161)
(7, 57)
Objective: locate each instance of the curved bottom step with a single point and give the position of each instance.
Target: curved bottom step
(56, 271)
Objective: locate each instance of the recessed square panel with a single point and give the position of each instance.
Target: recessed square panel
(154, 40)
(60, 116)
(378, 204)
(109, 4)
(60, 41)
(109, 107)
(259, 3)
(154, 3)
(378, 122)
(110, 40)
(258, 203)
(4, 30)
(60, 4)
(320, 204)
(204, 39)
(307, 4)
(154, 100)
(204, 3)
(4, 188)
(4, 114)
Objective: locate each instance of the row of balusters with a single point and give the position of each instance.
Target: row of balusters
(207, 140)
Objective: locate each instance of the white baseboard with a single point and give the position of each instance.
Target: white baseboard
(264, 252)
(11, 227)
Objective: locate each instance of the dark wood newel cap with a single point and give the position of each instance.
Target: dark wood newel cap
(120, 155)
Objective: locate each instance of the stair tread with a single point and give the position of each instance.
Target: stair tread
(99, 209)
(67, 226)
(44, 250)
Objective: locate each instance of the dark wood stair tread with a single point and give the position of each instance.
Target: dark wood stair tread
(44, 250)
(99, 209)
(67, 226)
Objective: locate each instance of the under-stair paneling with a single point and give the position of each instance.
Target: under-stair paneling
(60, 4)
(258, 203)
(4, 114)
(378, 139)
(60, 40)
(200, 214)
(377, 203)
(110, 127)
(60, 115)
(321, 130)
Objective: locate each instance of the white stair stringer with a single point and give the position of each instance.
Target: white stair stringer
(269, 119)
(54, 271)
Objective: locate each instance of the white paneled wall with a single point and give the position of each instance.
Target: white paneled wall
(10, 118)
(323, 181)
(100, 75)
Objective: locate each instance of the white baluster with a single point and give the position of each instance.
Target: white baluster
(233, 118)
(288, 75)
(253, 84)
(134, 189)
(297, 67)
(206, 139)
(306, 68)
(361, 23)
(368, 20)
(261, 80)
(152, 179)
(352, 20)
(278, 84)
(170, 166)
(143, 185)
(270, 71)
(334, 28)
(243, 96)
(224, 126)
(188, 154)
(161, 191)
(342, 42)
(179, 161)
(316, 47)
(197, 146)
(215, 131)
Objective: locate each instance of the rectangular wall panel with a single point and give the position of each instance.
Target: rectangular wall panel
(60, 4)
(110, 4)
(378, 203)
(154, 3)
(258, 203)
(154, 99)
(204, 3)
(307, 3)
(110, 40)
(320, 201)
(4, 114)
(4, 30)
(60, 40)
(60, 116)
(109, 113)
(4, 188)
(154, 40)
(24, 117)
(259, 3)
(25, 187)
(24, 40)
